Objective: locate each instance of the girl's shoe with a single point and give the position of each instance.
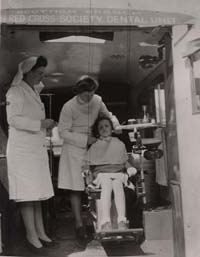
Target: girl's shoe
(106, 226)
(122, 225)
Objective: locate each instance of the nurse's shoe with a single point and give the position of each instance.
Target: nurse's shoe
(34, 249)
(81, 237)
(50, 244)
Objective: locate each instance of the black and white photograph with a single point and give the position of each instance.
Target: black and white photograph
(99, 128)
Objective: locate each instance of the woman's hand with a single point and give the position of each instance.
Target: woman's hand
(47, 123)
(91, 140)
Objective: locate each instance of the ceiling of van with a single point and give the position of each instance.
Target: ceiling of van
(114, 61)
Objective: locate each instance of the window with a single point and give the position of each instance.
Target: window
(195, 81)
(193, 55)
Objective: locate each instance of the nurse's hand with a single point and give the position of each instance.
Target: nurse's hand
(47, 123)
(91, 140)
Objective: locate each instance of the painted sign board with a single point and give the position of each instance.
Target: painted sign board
(92, 16)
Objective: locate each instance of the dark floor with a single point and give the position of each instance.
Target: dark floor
(60, 226)
(62, 230)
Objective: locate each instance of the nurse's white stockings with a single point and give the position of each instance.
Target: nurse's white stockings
(32, 217)
(39, 225)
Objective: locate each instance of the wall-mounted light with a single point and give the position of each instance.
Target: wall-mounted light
(56, 74)
(146, 44)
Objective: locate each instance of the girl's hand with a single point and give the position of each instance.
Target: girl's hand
(131, 171)
(85, 173)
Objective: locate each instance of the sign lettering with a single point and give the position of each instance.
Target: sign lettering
(95, 16)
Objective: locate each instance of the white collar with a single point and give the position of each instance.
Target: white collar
(107, 139)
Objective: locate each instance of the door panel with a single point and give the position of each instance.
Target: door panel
(172, 155)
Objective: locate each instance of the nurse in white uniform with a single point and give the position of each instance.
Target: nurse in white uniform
(76, 120)
(27, 159)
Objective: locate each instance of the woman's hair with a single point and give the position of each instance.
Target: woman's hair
(41, 62)
(85, 83)
(95, 130)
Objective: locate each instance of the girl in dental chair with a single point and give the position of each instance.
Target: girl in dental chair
(108, 161)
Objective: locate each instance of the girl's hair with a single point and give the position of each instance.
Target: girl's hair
(41, 62)
(85, 83)
(95, 130)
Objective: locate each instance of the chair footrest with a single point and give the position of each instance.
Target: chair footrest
(116, 235)
(120, 231)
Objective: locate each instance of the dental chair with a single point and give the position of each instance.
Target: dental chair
(95, 212)
(144, 148)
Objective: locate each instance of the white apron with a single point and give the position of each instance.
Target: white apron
(74, 126)
(28, 166)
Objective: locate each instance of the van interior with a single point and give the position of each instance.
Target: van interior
(130, 63)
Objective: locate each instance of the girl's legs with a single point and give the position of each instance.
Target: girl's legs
(119, 199)
(27, 210)
(75, 198)
(39, 225)
(106, 193)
